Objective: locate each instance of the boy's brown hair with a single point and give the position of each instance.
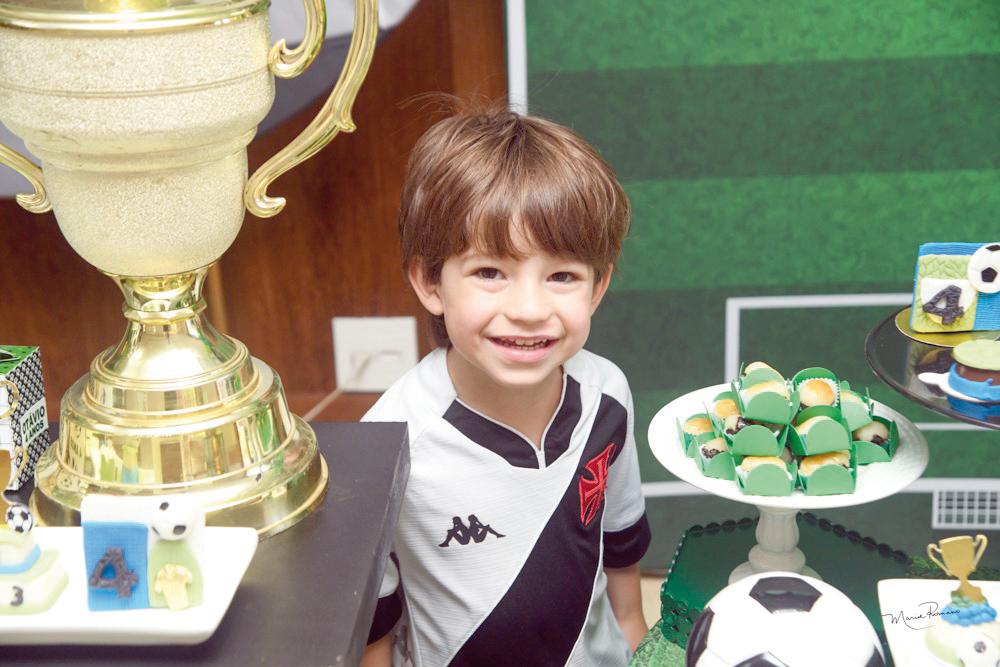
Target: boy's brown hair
(473, 176)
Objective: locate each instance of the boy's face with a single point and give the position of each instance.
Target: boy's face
(512, 322)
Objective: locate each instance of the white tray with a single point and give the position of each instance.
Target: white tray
(228, 552)
(875, 480)
(914, 598)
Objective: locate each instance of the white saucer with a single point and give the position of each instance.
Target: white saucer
(228, 552)
(940, 380)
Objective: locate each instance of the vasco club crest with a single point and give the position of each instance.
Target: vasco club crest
(592, 490)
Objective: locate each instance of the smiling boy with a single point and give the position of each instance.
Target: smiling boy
(523, 521)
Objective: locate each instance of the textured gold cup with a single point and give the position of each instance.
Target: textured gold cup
(959, 557)
(143, 149)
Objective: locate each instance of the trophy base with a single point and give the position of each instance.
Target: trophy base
(268, 508)
(178, 408)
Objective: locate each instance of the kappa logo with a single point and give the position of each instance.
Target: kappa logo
(476, 531)
(592, 490)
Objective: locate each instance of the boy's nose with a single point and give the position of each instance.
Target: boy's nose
(528, 303)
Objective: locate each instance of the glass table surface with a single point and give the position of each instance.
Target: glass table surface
(898, 360)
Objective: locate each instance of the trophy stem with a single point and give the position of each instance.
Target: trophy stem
(177, 407)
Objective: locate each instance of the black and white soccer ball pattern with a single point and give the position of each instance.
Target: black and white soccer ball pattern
(30, 383)
(175, 519)
(19, 518)
(984, 269)
(782, 619)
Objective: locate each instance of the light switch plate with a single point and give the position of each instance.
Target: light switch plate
(370, 353)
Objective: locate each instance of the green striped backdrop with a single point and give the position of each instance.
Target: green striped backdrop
(776, 148)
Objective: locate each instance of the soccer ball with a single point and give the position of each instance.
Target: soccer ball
(984, 269)
(19, 518)
(782, 619)
(978, 650)
(175, 519)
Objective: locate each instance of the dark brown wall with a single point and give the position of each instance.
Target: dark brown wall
(332, 251)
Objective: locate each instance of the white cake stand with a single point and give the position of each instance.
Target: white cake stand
(777, 531)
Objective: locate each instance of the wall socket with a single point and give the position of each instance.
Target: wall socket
(370, 353)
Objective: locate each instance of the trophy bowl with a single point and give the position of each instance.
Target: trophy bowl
(140, 112)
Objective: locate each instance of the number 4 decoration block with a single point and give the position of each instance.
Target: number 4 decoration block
(24, 423)
(115, 546)
(142, 551)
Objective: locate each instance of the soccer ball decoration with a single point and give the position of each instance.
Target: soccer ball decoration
(978, 650)
(19, 518)
(782, 619)
(984, 269)
(175, 519)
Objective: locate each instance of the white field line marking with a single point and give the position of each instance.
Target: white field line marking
(734, 305)
(923, 485)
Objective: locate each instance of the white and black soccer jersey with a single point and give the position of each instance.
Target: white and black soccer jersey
(500, 546)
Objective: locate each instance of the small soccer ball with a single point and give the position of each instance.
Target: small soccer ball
(782, 619)
(175, 519)
(19, 518)
(984, 269)
(978, 650)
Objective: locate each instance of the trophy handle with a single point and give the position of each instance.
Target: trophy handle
(931, 548)
(13, 396)
(980, 545)
(334, 117)
(38, 201)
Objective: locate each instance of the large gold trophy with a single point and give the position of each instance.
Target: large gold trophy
(140, 112)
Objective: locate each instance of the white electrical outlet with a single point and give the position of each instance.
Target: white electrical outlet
(370, 353)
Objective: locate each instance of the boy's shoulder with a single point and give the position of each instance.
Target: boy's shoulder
(423, 393)
(591, 369)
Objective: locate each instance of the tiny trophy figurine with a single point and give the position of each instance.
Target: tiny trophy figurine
(966, 633)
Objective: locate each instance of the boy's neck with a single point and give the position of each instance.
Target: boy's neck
(525, 409)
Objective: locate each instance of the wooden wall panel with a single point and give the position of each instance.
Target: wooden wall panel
(333, 251)
(50, 297)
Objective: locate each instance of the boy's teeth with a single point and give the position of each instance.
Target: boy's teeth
(523, 342)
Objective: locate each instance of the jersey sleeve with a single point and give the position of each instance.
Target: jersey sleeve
(390, 602)
(626, 529)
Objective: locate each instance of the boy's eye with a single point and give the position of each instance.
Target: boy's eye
(488, 273)
(563, 277)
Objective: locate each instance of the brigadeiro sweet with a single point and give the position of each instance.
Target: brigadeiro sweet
(697, 426)
(750, 462)
(713, 448)
(811, 464)
(817, 391)
(756, 366)
(804, 427)
(735, 423)
(775, 386)
(725, 408)
(851, 397)
(875, 432)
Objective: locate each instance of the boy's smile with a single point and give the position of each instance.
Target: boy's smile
(522, 348)
(512, 321)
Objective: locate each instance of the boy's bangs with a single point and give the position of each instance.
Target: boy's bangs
(554, 216)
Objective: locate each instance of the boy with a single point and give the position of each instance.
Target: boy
(523, 521)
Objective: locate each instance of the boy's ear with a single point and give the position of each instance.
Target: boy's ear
(601, 288)
(427, 291)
